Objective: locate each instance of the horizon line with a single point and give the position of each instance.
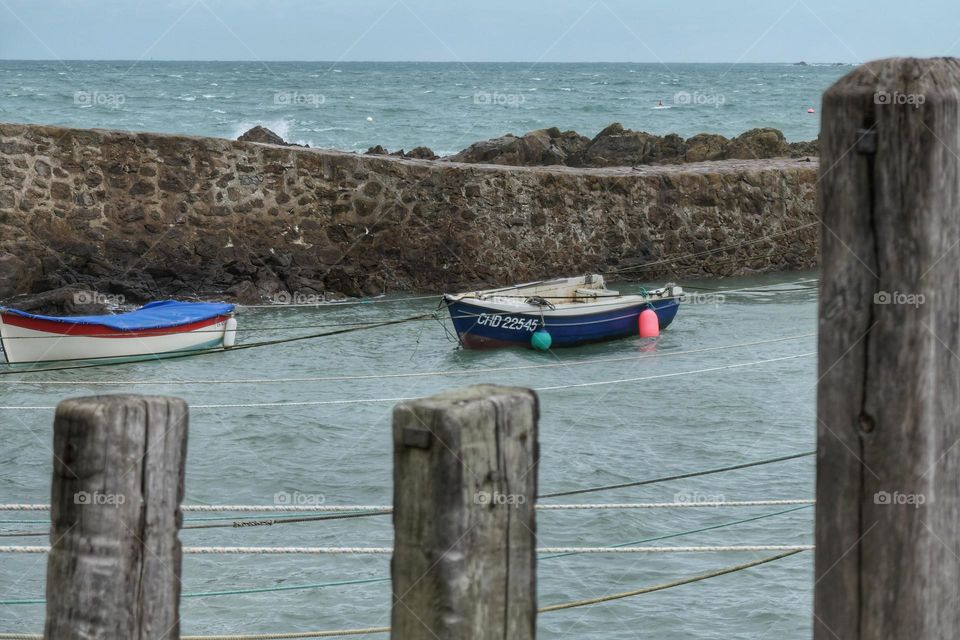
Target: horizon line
(461, 62)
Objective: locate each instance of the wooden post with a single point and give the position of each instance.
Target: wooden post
(465, 484)
(114, 564)
(888, 466)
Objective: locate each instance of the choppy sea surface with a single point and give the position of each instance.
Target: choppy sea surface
(654, 424)
(445, 106)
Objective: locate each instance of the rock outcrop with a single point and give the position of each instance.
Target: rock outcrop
(419, 153)
(617, 146)
(544, 147)
(144, 215)
(262, 135)
(65, 301)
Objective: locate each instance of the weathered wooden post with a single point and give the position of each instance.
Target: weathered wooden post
(465, 484)
(888, 467)
(114, 564)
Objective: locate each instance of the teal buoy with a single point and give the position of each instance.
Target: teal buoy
(541, 340)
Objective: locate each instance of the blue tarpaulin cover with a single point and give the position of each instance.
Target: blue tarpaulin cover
(155, 315)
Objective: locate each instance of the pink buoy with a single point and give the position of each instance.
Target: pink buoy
(810, 110)
(649, 324)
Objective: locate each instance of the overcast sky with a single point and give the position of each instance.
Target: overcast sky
(480, 30)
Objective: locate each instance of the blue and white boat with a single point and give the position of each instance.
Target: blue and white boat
(573, 311)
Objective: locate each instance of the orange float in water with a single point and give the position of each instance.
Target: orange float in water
(649, 324)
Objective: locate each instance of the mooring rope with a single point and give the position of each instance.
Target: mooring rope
(227, 592)
(354, 401)
(679, 476)
(18, 368)
(201, 331)
(384, 376)
(547, 609)
(335, 304)
(360, 551)
(557, 494)
(360, 511)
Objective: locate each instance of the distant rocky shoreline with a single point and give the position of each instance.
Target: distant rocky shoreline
(614, 146)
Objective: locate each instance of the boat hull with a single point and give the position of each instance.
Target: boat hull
(480, 327)
(28, 340)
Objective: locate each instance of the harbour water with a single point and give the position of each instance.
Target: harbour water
(739, 395)
(445, 106)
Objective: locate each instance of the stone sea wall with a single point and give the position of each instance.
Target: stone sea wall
(144, 215)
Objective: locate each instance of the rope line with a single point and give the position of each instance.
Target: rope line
(200, 331)
(679, 476)
(18, 368)
(353, 401)
(380, 551)
(366, 510)
(456, 372)
(556, 494)
(547, 609)
(666, 585)
(227, 592)
(334, 305)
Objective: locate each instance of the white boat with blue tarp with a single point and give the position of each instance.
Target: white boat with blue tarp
(156, 329)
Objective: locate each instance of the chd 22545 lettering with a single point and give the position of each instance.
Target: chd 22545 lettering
(511, 323)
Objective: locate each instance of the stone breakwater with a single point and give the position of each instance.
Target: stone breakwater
(143, 215)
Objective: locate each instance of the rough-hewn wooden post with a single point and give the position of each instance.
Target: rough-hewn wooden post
(465, 483)
(888, 468)
(114, 565)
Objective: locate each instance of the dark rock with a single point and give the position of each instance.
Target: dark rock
(65, 301)
(543, 147)
(422, 153)
(706, 146)
(758, 143)
(618, 147)
(244, 292)
(262, 135)
(804, 149)
(13, 272)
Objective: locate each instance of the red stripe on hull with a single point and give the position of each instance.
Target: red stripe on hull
(98, 330)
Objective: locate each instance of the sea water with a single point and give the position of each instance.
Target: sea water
(445, 106)
(738, 403)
